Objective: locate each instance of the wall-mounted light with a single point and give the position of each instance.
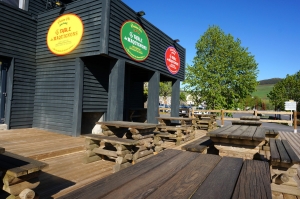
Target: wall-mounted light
(58, 3)
(176, 40)
(140, 13)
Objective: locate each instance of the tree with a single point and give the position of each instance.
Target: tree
(222, 72)
(165, 90)
(286, 89)
(182, 97)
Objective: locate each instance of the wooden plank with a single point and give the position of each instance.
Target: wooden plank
(217, 131)
(246, 122)
(260, 134)
(198, 145)
(248, 133)
(254, 181)
(290, 152)
(149, 182)
(110, 139)
(237, 133)
(221, 181)
(274, 152)
(38, 164)
(226, 132)
(186, 181)
(136, 125)
(101, 188)
(284, 157)
(256, 118)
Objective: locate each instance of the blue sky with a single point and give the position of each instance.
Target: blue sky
(269, 28)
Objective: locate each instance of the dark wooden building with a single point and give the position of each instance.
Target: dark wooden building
(98, 78)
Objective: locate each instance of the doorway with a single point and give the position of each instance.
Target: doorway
(4, 65)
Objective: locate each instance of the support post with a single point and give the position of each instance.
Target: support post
(153, 98)
(222, 118)
(78, 93)
(116, 91)
(175, 100)
(295, 121)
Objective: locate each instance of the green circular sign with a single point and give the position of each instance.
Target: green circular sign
(134, 40)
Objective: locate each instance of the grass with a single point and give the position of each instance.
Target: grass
(262, 91)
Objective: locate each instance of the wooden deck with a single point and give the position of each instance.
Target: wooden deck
(64, 154)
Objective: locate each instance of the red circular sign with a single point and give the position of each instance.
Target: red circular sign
(172, 60)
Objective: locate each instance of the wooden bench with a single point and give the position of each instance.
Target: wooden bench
(124, 151)
(284, 162)
(200, 145)
(20, 175)
(253, 118)
(246, 122)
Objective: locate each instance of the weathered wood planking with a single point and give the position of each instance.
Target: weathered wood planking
(183, 183)
(254, 181)
(260, 134)
(246, 122)
(228, 131)
(104, 186)
(149, 182)
(293, 140)
(237, 133)
(290, 151)
(111, 139)
(198, 145)
(221, 181)
(219, 130)
(256, 118)
(284, 157)
(128, 125)
(274, 153)
(248, 133)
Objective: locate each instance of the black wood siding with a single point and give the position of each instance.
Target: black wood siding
(159, 41)
(17, 40)
(90, 13)
(95, 85)
(54, 96)
(37, 6)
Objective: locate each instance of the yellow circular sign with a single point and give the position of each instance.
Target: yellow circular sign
(65, 34)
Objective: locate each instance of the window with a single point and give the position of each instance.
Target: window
(16, 3)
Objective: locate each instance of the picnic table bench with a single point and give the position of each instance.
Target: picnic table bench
(246, 122)
(284, 162)
(205, 121)
(182, 174)
(254, 118)
(125, 142)
(238, 140)
(20, 175)
(199, 145)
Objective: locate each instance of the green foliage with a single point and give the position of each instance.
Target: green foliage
(182, 97)
(165, 89)
(223, 72)
(286, 89)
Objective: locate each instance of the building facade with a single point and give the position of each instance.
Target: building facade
(68, 89)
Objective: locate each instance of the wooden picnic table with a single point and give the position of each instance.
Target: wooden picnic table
(206, 121)
(180, 132)
(238, 140)
(167, 121)
(181, 174)
(125, 142)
